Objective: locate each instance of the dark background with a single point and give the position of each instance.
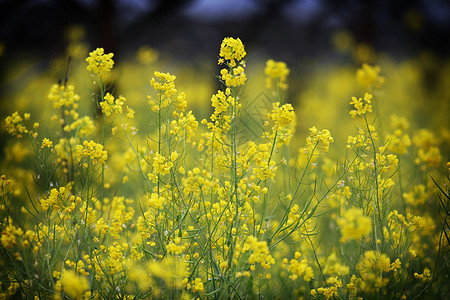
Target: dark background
(190, 28)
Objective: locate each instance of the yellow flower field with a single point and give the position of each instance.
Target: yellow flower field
(337, 192)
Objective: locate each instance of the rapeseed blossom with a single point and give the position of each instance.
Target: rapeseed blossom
(361, 107)
(177, 213)
(276, 72)
(93, 151)
(74, 285)
(368, 77)
(319, 139)
(231, 50)
(14, 125)
(354, 225)
(100, 63)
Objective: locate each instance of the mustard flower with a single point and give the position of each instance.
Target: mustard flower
(93, 151)
(361, 107)
(299, 268)
(232, 50)
(63, 96)
(185, 126)
(74, 285)
(156, 201)
(234, 78)
(14, 125)
(354, 225)
(260, 252)
(276, 72)
(220, 118)
(319, 139)
(47, 143)
(164, 84)
(10, 235)
(281, 116)
(368, 77)
(161, 165)
(113, 105)
(371, 266)
(100, 63)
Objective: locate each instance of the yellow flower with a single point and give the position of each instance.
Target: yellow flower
(361, 107)
(278, 72)
(164, 84)
(354, 225)
(232, 50)
(63, 96)
(74, 285)
(14, 125)
(155, 201)
(114, 105)
(319, 139)
(369, 77)
(100, 63)
(47, 143)
(93, 151)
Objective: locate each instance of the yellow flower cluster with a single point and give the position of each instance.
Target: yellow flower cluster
(64, 96)
(234, 78)
(354, 225)
(398, 141)
(368, 77)
(221, 119)
(259, 252)
(14, 124)
(371, 267)
(115, 261)
(53, 199)
(112, 105)
(399, 226)
(361, 108)
(319, 139)
(428, 154)
(196, 285)
(161, 165)
(176, 247)
(100, 63)
(276, 72)
(281, 116)
(424, 276)
(194, 182)
(10, 235)
(298, 268)
(231, 50)
(93, 151)
(283, 122)
(331, 291)
(333, 266)
(74, 285)
(47, 143)
(385, 162)
(164, 84)
(155, 201)
(185, 126)
(261, 156)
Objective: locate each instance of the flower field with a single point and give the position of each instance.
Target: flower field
(337, 191)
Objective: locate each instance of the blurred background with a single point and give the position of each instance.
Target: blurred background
(186, 29)
(323, 42)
